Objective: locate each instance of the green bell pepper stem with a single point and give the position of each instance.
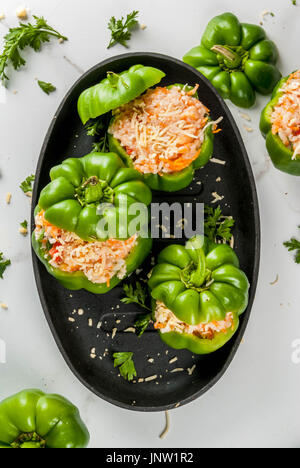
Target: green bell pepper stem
(233, 60)
(198, 276)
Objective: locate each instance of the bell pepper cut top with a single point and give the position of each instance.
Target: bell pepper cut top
(200, 283)
(33, 419)
(237, 58)
(284, 154)
(116, 90)
(80, 185)
(182, 169)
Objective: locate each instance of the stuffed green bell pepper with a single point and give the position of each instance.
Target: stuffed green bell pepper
(237, 58)
(198, 294)
(280, 125)
(88, 234)
(166, 135)
(33, 419)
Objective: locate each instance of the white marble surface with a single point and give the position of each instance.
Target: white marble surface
(257, 402)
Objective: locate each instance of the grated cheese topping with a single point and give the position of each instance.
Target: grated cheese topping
(167, 322)
(99, 261)
(163, 130)
(286, 114)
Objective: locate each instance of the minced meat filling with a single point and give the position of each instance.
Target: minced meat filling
(99, 261)
(163, 130)
(167, 322)
(286, 114)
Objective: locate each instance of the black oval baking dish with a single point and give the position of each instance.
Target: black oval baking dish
(67, 137)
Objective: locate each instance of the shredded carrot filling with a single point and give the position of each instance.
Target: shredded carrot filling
(99, 261)
(286, 114)
(167, 322)
(163, 130)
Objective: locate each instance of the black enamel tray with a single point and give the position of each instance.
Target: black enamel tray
(67, 138)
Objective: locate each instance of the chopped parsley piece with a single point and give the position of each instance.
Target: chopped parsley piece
(126, 365)
(46, 87)
(121, 29)
(24, 224)
(27, 184)
(101, 146)
(3, 265)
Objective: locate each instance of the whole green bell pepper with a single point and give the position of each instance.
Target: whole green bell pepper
(116, 90)
(171, 182)
(199, 283)
(237, 58)
(80, 185)
(33, 419)
(280, 154)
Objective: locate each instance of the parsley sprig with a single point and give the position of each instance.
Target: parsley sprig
(216, 226)
(135, 295)
(293, 245)
(126, 365)
(98, 128)
(46, 87)
(24, 224)
(3, 264)
(121, 29)
(27, 184)
(25, 35)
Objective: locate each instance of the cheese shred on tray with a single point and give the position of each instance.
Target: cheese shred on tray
(98, 261)
(167, 322)
(286, 115)
(163, 130)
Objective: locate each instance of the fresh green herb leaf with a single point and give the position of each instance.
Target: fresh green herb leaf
(24, 224)
(294, 2)
(101, 146)
(293, 245)
(216, 226)
(126, 365)
(98, 128)
(46, 87)
(142, 323)
(27, 184)
(25, 35)
(3, 265)
(121, 29)
(95, 128)
(137, 295)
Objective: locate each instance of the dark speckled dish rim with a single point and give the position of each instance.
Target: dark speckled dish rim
(244, 155)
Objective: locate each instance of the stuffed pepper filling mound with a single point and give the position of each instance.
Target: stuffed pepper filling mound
(163, 130)
(167, 322)
(286, 115)
(98, 261)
